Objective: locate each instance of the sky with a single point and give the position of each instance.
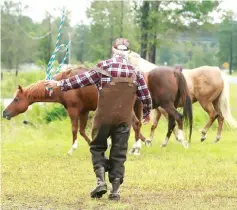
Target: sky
(38, 8)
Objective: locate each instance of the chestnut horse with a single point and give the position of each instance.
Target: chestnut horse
(209, 86)
(168, 88)
(78, 103)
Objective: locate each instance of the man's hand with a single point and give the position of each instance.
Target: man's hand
(146, 119)
(51, 83)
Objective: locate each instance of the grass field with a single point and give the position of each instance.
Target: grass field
(37, 173)
(234, 74)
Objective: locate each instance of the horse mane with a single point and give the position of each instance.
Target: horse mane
(37, 90)
(70, 72)
(142, 64)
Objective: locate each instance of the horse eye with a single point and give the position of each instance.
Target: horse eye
(16, 99)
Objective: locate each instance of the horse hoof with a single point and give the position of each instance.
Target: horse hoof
(131, 151)
(148, 142)
(216, 141)
(137, 153)
(178, 140)
(186, 145)
(70, 153)
(203, 138)
(163, 145)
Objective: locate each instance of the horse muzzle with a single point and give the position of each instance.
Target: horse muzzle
(6, 114)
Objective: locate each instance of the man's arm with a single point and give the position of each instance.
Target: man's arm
(144, 95)
(80, 80)
(84, 79)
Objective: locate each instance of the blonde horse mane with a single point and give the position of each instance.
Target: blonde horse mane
(142, 64)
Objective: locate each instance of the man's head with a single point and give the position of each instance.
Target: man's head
(121, 47)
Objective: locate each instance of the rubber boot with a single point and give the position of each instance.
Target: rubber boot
(107, 165)
(101, 187)
(114, 193)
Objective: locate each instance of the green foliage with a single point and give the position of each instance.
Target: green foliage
(189, 54)
(55, 112)
(228, 41)
(9, 83)
(109, 22)
(173, 17)
(180, 32)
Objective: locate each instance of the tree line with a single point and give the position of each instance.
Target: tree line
(163, 32)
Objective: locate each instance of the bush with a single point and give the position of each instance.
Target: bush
(55, 112)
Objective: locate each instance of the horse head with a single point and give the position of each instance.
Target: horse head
(18, 105)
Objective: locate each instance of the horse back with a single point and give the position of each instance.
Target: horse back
(206, 82)
(84, 98)
(163, 85)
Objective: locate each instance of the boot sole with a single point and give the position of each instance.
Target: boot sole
(99, 192)
(114, 198)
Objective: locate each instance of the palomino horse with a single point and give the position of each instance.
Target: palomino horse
(209, 87)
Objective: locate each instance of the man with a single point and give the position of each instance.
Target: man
(119, 83)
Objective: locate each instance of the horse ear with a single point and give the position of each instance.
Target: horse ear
(20, 88)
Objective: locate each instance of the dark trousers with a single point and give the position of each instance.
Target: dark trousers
(119, 135)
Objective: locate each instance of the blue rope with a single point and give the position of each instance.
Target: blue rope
(57, 48)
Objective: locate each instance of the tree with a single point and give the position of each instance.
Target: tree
(81, 43)
(12, 35)
(228, 41)
(106, 19)
(18, 32)
(159, 19)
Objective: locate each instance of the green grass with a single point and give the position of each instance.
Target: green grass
(234, 73)
(38, 174)
(10, 81)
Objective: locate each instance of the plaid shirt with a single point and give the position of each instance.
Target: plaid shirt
(117, 66)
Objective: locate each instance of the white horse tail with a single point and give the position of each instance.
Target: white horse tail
(224, 103)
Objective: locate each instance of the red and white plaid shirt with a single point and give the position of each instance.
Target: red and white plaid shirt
(117, 66)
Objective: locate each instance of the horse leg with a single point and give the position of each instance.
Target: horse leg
(220, 119)
(83, 122)
(171, 125)
(175, 130)
(220, 126)
(178, 118)
(156, 114)
(180, 133)
(209, 108)
(136, 123)
(74, 116)
(137, 145)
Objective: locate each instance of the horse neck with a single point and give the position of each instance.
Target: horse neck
(146, 66)
(38, 93)
(142, 64)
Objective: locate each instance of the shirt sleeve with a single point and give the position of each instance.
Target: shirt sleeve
(80, 80)
(104, 64)
(144, 95)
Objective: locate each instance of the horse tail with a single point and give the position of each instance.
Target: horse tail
(184, 96)
(224, 103)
